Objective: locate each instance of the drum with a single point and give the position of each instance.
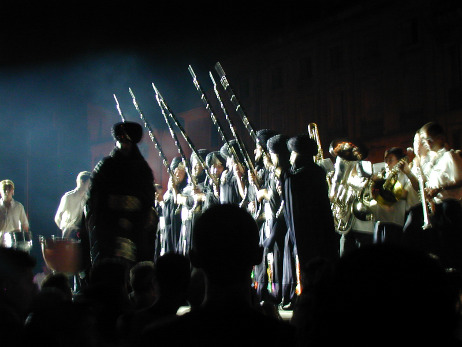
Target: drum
(62, 255)
(19, 240)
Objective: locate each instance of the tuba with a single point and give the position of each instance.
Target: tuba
(342, 194)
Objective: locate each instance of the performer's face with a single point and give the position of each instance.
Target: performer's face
(419, 148)
(293, 157)
(7, 193)
(391, 161)
(274, 159)
(196, 167)
(427, 141)
(258, 152)
(217, 169)
(180, 173)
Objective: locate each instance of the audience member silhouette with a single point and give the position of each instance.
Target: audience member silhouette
(106, 295)
(142, 278)
(54, 320)
(226, 247)
(172, 273)
(382, 295)
(58, 281)
(17, 291)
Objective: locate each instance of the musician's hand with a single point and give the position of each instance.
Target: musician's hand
(405, 168)
(432, 192)
(262, 194)
(251, 175)
(251, 207)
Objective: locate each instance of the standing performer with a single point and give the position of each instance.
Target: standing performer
(70, 210)
(233, 188)
(13, 217)
(191, 200)
(416, 233)
(390, 193)
(216, 162)
(307, 206)
(120, 220)
(159, 206)
(444, 188)
(171, 209)
(276, 226)
(259, 206)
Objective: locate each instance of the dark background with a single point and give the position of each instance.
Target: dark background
(57, 57)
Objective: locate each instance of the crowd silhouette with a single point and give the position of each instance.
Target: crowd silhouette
(376, 295)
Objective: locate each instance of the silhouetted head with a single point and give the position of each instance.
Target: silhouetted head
(225, 243)
(172, 272)
(127, 132)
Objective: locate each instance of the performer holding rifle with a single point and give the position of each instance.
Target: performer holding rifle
(250, 192)
(191, 197)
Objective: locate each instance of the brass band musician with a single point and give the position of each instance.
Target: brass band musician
(13, 217)
(390, 194)
(444, 189)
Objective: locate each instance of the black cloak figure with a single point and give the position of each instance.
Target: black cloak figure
(307, 206)
(120, 218)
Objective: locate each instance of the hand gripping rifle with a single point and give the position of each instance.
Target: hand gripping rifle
(164, 107)
(151, 134)
(240, 144)
(239, 110)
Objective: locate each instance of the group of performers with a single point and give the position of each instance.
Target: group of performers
(306, 207)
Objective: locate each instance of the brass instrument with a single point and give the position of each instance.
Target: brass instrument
(388, 191)
(423, 199)
(342, 194)
(314, 134)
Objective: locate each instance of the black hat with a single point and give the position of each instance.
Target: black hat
(127, 132)
(175, 162)
(263, 135)
(201, 152)
(303, 145)
(209, 159)
(397, 151)
(278, 144)
(227, 154)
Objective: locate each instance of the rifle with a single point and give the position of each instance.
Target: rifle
(178, 145)
(164, 107)
(245, 154)
(215, 121)
(151, 134)
(118, 108)
(232, 96)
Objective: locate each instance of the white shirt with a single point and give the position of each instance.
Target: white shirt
(70, 210)
(446, 167)
(397, 211)
(12, 218)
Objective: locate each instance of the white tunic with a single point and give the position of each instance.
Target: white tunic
(12, 218)
(70, 210)
(446, 167)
